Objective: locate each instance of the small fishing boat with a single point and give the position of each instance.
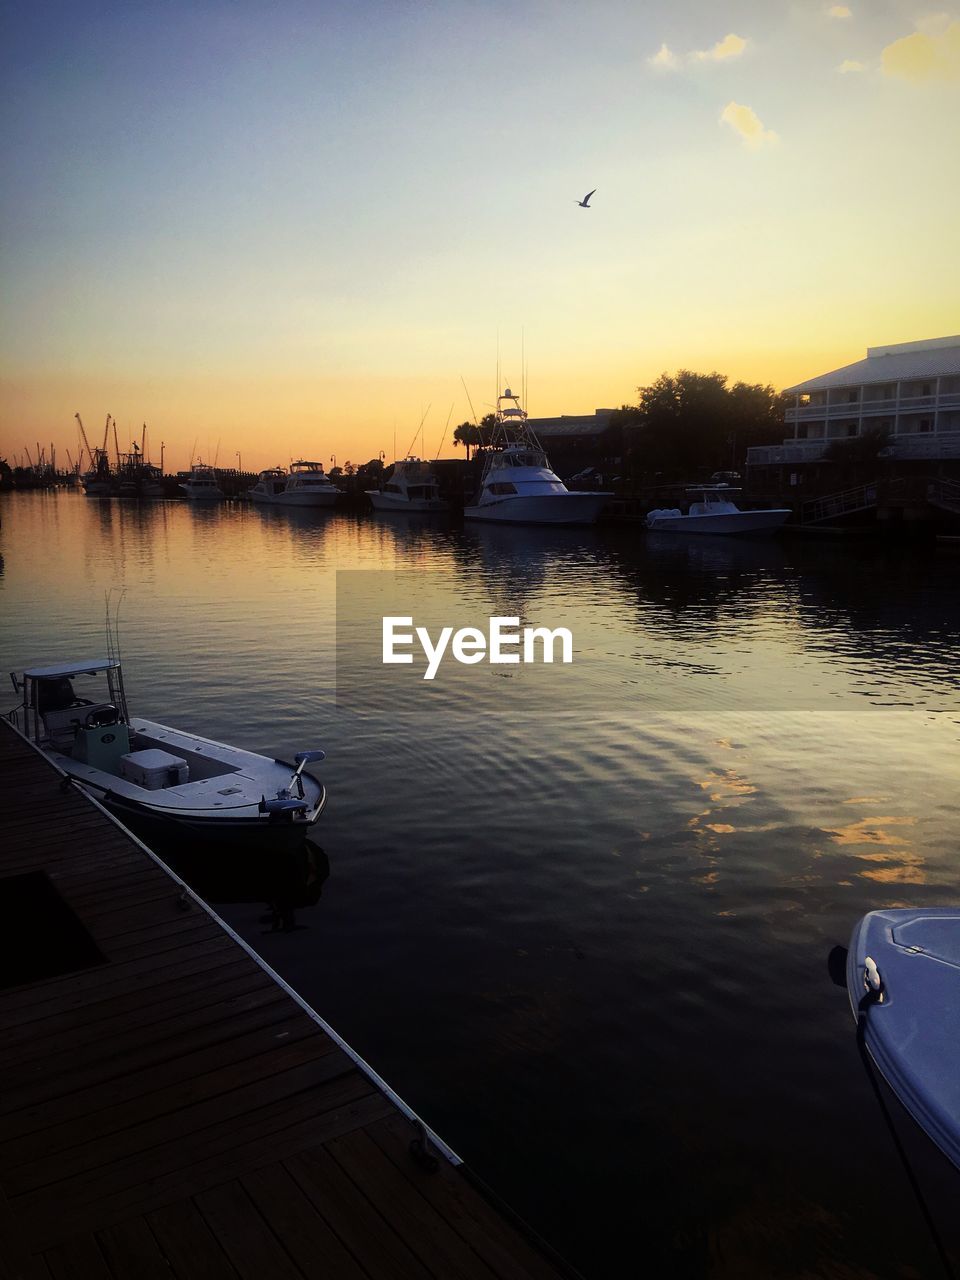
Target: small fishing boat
(201, 484)
(903, 980)
(305, 485)
(713, 512)
(410, 487)
(158, 779)
(517, 485)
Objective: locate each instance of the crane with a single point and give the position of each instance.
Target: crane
(86, 443)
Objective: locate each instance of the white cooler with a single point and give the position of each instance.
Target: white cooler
(154, 769)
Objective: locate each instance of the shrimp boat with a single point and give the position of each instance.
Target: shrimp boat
(517, 485)
(412, 487)
(304, 485)
(156, 779)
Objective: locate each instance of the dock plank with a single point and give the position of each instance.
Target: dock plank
(131, 1249)
(185, 1238)
(306, 1236)
(244, 1236)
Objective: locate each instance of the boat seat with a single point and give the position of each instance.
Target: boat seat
(61, 727)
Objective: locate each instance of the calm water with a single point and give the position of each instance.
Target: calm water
(577, 916)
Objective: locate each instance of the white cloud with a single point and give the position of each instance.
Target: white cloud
(934, 24)
(850, 64)
(665, 60)
(839, 11)
(932, 53)
(731, 46)
(746, 122)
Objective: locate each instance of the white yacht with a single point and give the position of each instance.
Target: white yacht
(517, 484)
(713, 512)
(156, 779)
(304, 485)
(201, 484)
(411, 486)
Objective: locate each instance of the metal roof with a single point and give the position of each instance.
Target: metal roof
(570, 424)
(938, 357)
(72, 669)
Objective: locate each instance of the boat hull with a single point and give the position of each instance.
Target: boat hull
(295, 499)
(262, 832)
(913, 1032)
(739, 522)
(405, 506)
(556, 508)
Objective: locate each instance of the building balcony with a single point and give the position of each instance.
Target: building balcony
(906, 446)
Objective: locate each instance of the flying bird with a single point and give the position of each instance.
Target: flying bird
(585, 202)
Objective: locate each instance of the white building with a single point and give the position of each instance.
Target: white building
(912, 389)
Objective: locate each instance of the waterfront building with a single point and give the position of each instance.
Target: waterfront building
(910, 389)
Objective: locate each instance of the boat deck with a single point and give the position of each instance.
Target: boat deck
(169, 1109)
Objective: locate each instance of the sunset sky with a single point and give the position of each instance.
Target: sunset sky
(287, 229)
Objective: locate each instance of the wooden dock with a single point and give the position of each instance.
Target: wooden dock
(172, 1110)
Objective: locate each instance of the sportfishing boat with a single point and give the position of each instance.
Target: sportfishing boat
(158, 779)
(411, 487)
(304, 485)
(201, 484)
(903, 980)
(517, 485)
(713, 512)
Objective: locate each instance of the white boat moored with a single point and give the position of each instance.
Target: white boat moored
(714, 513)
(304, 485)
(158, 779)
(518, 486)
(411, 487)
(201, 484)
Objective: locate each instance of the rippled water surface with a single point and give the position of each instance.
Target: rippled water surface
(578, 916)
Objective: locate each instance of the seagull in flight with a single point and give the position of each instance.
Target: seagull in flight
(585, 202)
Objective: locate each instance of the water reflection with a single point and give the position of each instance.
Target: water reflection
(285, 882)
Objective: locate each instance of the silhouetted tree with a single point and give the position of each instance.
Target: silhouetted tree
(474, 436)
(693, 423)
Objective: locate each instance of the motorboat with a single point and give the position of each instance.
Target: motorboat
(903, 982)
(158, 779)
(201, 484)
(410, 487)
(305, 484)
(517, 485)
(713, 512)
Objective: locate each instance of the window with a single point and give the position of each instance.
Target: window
(853, 397)
(926, 424)
(925, 390)
(501, 487)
